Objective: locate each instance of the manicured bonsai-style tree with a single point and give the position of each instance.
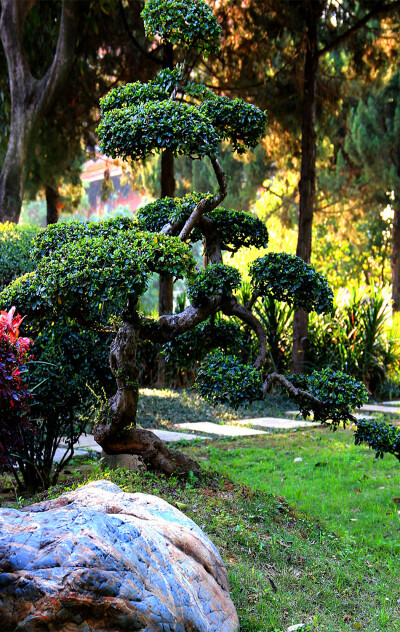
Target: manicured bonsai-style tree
(96, 272)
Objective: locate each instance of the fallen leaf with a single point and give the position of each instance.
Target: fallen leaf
(396, 500)
(181, 505)
(273, 585)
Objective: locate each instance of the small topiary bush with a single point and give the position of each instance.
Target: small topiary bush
(380, 436)
(223, 379)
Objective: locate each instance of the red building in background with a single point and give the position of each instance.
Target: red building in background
(102, 180)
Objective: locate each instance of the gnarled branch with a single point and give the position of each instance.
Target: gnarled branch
(167, 327)
(246, 316)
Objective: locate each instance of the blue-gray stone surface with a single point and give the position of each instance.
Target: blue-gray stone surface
(99, 559)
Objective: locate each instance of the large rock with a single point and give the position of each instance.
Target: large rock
(99, 559)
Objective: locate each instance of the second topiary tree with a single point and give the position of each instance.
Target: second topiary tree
(96, 272)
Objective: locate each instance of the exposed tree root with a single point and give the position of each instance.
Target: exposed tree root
(148, 446)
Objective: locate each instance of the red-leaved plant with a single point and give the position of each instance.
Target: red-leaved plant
(15, 397)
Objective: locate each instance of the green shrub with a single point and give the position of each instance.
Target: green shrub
(380, 436)
(223, 379)
(15, 246)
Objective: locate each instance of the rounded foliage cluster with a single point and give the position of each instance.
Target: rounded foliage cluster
(127, 94)
(90, 269)
(15, 246)
(154, 216)
(243, 124)
(211, 334)
(188, 23)
(288, 278)
(27, 292)
(216, 279)
(222, 379)
(137, 131)
(380, 436)
(56, 235)
(338, 393)
(239, 229)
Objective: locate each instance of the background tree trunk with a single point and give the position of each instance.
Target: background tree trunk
(395, 263)
(165, 284)
(30, 98)
(52, 200)
(313, 11)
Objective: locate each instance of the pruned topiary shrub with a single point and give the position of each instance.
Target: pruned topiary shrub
(95, 274)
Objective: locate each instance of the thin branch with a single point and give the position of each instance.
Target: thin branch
(246, 316)
(293, 391)
(377, 10)
(167, 327)
(253, 299)
(206, 204)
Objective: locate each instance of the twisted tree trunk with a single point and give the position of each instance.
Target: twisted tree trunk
(115, 431)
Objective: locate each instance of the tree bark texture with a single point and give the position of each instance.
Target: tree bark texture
(313, 10)
(52, 200)
(395, 263)
(115, 431)
(30, 98)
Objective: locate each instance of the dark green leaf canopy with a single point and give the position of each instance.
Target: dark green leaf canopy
(93, 268)
(338, 392)
(243, 124)
(216, 279)
(223, 379)
(188, 23)
(213, 333)
(127, 94)
(138, 131)
(239, 229)
(287, 278)
(236, 229)
(380, 436)
(56, 235)
(154, 216)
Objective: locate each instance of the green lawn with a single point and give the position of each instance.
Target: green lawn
(355, 561)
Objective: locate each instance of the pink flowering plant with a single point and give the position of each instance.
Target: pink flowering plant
(15, 397)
